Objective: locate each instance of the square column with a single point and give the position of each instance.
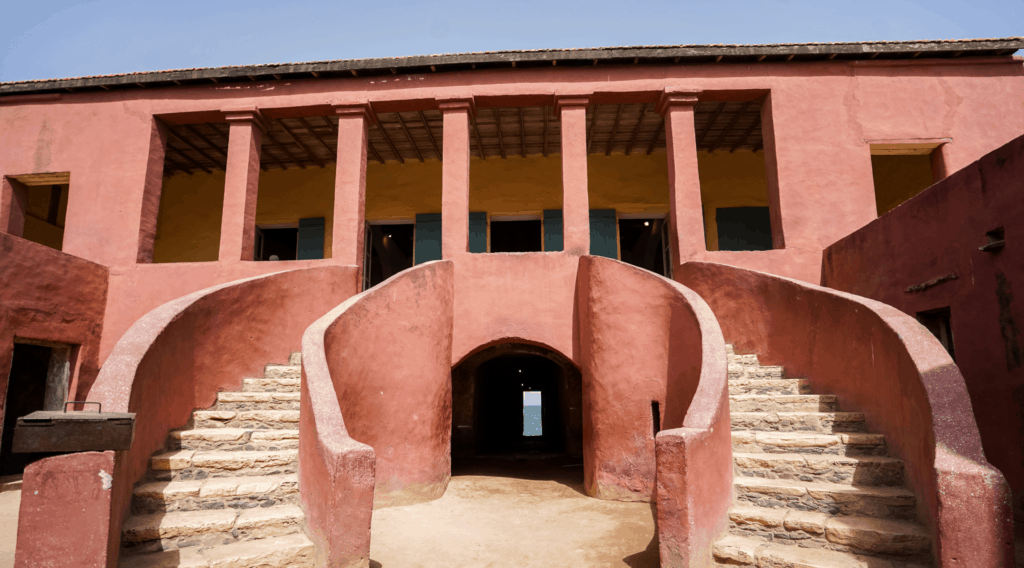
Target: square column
(241, 184)
(455, 176)
(687, 216)
(572, 112)
(347, 231)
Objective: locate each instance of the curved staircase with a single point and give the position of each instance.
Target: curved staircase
(812, 488)
(225, 492)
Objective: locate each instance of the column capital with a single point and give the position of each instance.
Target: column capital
(356, 109)
(246, 114)
(677, 97)
(570, 101)
(467, 104)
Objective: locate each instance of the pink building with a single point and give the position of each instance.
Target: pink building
(643, 227)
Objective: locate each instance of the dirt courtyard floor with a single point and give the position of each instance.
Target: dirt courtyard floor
(515, 514)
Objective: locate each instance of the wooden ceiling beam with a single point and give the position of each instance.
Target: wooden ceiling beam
(545, 148)
(636, 131)
(383, 132)
(409, 136)
(728, 128)
(316, 160)
(194, 148)
(476, 132)
(615, 130)
(206, 140)
(657, 134)
(319, 138)
(746, 134)
(593, 123)
(190, 159)
(284, 149)
(178, 165)
(497, 125)
(433, 142)
(522, 133)
(710, 124)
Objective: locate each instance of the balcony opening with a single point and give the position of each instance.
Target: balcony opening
(275, 242)
(901, 171)
(642, 243)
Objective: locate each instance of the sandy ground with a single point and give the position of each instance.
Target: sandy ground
(9, 503)
(515, 515)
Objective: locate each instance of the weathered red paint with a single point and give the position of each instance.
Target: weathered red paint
(456, 114)
(65, 511)
(879, 361)
(350, 182)
(572, 112)
(938, 233)
(48, 295)
(402, 409)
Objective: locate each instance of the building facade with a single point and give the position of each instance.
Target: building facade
(164, 234)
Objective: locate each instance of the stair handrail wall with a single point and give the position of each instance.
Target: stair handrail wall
(882, 362)
(396, 338)
(636, 325)
(176, 358)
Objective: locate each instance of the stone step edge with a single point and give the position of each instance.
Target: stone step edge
(160, 526)
(808, 439)
(870, 534)
(790, 487)
(184, 459)
(743, 551)
(214, 487)
(837, 415)
(291, 550)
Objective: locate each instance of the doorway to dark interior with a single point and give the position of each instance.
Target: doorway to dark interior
(277, 243)
(517, 236)
(38, 381)
(642, 244)
(389, 251)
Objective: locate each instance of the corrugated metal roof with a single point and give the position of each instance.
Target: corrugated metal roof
(631, 55)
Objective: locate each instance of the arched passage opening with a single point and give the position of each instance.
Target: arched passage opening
(515, 400)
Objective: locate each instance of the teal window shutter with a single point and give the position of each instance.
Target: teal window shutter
(428, 237)
(603, 240)
(553, 230)
(311, 239)
(477, 232)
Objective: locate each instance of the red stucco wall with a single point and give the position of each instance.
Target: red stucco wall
(49, 295)
(878, 361)
(938, 233)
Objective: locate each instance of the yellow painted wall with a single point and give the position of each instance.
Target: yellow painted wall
(37, 229)
(735, 179)
(188, 228)
(898, 178)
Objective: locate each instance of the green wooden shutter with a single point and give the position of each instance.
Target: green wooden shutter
(553, 230)
(428, 237)
(603, 240)
(478, 232)
(311, 238)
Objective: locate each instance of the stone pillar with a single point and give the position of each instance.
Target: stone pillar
(347, 230)
(241, 184)
(572, 112)
(455, 176)
(687, 217)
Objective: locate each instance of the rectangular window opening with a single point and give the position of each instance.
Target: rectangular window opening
(744, 228)
(940, 324)
(641, 244)
(517, 236)
(656, 416)
(276, 243)
(39, 207)
(900, 171)
(532, 407)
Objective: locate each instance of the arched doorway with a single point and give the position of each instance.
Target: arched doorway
(516, 400)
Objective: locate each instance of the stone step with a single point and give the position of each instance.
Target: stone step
(182, 529)
(846, 534)
(739, 371)
(233, 439)
(279, 552)
(184, 465)
(839, 444)
(271, 385)
(215, 493)
(750, 360)
(295, 358)
(769, 386)
(743, 551)
(257, 401)
(850, 470)
(827, 422)
(282, 371)
(828, 498)
(783, 403)
(256, 419)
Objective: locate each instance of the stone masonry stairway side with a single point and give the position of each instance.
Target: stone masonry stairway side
(225, 491)
(813, 488)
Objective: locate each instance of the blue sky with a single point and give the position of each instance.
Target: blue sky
(48, 38)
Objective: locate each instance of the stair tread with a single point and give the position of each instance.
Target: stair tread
(290, 550)
(785, 397)
(249, 396)
(846, 416)
(154, 526)
(258, 415)
(752, 551)
(219, 458)
(801, 487)
(214, 487)
(778, 517)
(811, 438)
(805, 458)
(232, 434)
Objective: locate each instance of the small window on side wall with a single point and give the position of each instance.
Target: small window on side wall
(37, 207)
(940, 324)
(744, 228)
(902, 170)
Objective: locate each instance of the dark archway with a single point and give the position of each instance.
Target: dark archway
(488, 404)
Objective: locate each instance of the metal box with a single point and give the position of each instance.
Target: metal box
(61, 431)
